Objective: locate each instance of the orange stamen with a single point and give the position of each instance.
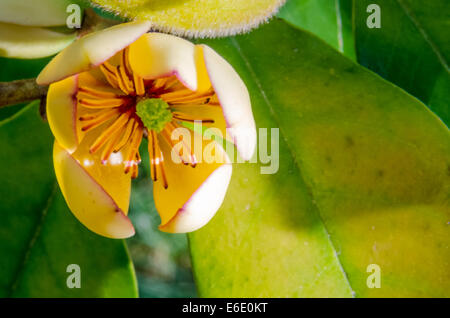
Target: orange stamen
(182, 93)
(95, 93)
(170, 82)
(124, 81)
(152, 153)
(109, 74)
(159, 83)
(109, 148)
(101, 103)
(134, 171)
(126, 62)
(130, 126)
(191, 119)
(93, 121)
(200, 100)
(108, 133)
(128, 83)
(185, 153)
(134, 148)
(156, 159)
(139, 85)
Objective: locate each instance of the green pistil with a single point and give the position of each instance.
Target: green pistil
(154, 113)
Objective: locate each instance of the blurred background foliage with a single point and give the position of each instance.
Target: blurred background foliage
(161, 260)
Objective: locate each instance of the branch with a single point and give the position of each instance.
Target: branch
(21, 91)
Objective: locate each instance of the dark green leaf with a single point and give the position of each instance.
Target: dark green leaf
(411, 49)
(15, 69)
(39, 237)
(328, 19)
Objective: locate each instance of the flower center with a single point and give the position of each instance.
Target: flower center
(154, 113)
(138, 108)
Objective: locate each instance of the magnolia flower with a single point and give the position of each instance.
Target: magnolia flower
(111, 88)
(28, 28)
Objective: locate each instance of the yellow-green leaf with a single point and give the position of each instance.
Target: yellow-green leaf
(364, 178)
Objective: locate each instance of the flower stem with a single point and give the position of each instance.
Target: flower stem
(21, 91)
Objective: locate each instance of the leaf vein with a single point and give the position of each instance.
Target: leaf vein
(425, 35)
(340, 35)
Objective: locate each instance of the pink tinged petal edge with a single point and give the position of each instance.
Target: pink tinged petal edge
(234, 100)
(78, 57)
(119, 213)
(203, 204)
(71, 95)
(177, 60)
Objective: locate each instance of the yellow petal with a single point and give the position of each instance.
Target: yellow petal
(234, 100)
(196, 18)
(91, 50)
(206, 112)
(17, 41)
(34, 13)
(62, 112)
(156, 55)
(194, 194)
(98, 195)
(203, 82)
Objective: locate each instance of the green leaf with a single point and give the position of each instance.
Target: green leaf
(15, 69)
(330, 20)
(411, 49)
(39, 237)
(364, 178)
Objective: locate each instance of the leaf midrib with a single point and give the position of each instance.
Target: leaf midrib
(308, 190)
(340, 31)
(33, 238)
(424, 34)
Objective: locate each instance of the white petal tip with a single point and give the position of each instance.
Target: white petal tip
(203, 204)
(92, 50)
(245, 140)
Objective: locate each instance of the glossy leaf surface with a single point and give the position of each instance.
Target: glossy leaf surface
(363, 179)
